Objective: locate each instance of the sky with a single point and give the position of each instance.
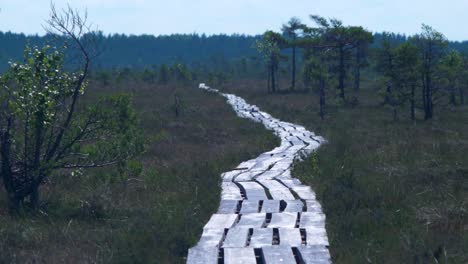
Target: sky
(160, 17)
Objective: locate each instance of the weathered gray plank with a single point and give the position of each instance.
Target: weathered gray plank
(221, 221)
(247, 164)
(230, 191)
(246, 176)
(230, 175)
(306, 137)
(239, 256)
(286, 175)
(294, 206)
(316, 236)
(278, 255)
(295, 141)
(228, 206)
(292, 182)
(277, 190)
(283, 220)
(252, 220)
(288, 126)
(265, 163)
(290, 237)
(270, 206)
(269, 175)
(249, 206)
(261, 237)
(304, 192)
(211, 237)
(277, 150)
(254, 191)
(311, 219)
(294, 149)
(203, 255)
(313, 206)
(281, 165)
(236, 237)
(314, 254)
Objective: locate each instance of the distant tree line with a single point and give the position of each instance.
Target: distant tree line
(419, 72)
(120, 51)
(193, 50)
(322, 55)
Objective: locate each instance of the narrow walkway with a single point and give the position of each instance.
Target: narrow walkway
(266, 215)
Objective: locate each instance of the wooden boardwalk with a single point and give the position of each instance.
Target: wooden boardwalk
(266, 215)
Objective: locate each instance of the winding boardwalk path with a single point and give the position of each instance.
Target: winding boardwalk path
(266, 215)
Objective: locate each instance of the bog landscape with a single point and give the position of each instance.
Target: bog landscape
(313, 140)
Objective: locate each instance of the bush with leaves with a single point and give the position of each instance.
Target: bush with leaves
(44, 127)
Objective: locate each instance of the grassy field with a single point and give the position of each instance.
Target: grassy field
(393, 191)
(154, 210)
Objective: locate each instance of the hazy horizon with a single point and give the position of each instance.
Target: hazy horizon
(246, 17)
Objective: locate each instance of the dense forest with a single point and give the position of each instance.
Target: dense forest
(119, 51)
(146, 51)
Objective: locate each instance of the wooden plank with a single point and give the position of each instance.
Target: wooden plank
(203, 255)
(316, 236)
(290, 237)
(278, 150)
(304, 192)
(313, 206)
(211, 237)
(230, 175)
(249, 206)
(264, 163)
(252, 220)
(246, 176)
(283, 220)
(286, 175)
(278, 255)
(230, 191)
(281, 165)
(287, 126)
(306, 136)
(269, 175)
(291, 183)
(266, 115)
(270, 206)
(295, 141)
(314, 254)
(277, 190)
(247, 164)
(239, 256)
(261, 237)
(312, 219)
(294, 149)
(221, 221)
(228, 206)
(254, 191)
(294, 206)
(300, 128)
(236, 237)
